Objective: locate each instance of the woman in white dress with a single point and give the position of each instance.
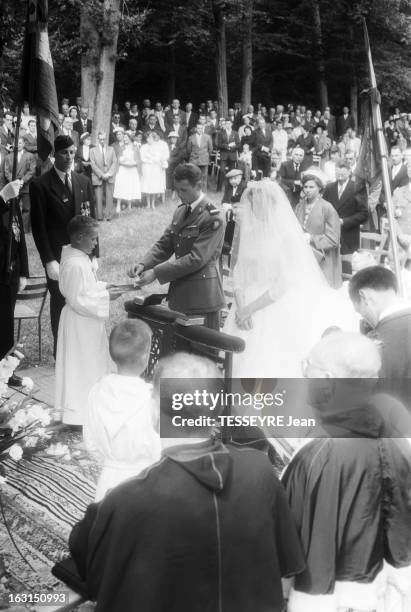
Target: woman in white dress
(283, 303)
(154, 157)
(127, 184)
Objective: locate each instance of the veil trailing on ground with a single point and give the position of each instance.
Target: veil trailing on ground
(269, 245)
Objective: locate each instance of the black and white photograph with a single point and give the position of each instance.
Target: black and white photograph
(205, 306)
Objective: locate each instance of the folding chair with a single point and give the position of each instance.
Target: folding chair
(30, 304)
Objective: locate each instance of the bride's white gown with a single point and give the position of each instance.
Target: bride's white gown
(305, 306)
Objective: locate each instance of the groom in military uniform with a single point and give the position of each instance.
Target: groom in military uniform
(195, 236)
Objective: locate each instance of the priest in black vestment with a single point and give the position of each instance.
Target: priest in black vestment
(349, 488)
(206, 528)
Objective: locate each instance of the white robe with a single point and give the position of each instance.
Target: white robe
(82, 345)
(120, 427)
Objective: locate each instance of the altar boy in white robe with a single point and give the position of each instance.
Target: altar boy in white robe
(82, 345)
(121, 425)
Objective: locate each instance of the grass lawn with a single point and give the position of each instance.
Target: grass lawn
(122, 242)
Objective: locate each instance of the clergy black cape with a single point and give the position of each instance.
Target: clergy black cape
(207, 528)
(350, 493)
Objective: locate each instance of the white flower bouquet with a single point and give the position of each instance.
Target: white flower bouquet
(24, 424)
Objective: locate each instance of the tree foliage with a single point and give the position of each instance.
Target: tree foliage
(165, 47)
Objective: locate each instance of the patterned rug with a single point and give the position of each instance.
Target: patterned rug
(42, 499)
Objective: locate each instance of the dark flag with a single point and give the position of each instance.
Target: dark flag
(38, 87)
(368, 165)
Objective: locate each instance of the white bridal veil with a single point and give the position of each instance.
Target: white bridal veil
(269, 229)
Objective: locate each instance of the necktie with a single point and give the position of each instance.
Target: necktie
(340, 190)
(104, 156)
(188, 211)
(67, 182)
(296, 167)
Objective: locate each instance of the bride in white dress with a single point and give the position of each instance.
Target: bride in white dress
(283, 303)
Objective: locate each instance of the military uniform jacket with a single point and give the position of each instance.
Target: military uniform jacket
(194, 276)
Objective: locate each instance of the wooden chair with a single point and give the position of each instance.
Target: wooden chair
(376, 244)
(30, 304)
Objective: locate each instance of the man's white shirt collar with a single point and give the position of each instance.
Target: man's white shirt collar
(62, 175)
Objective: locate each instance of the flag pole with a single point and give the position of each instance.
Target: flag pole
(382, 145)
(15, 201)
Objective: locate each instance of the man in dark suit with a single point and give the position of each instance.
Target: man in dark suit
(228, 144)
(56, 197)
(329, 124)
(374, 293)
(191, 119)
(233, 191)
(262, 146)
(398, 178)
(84, 124)
(351, 207)
(26, 170)
(195, 236)
(179, 129)
(345, 121)
(13, 265)
(307, 143)
(398, 170)
(178, 153)
(170, 114)
(290, 175)
(6, 134)
(199, 149)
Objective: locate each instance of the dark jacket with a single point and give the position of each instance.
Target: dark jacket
(352, 208)
(346, 495)
(10, 246)
(228, 152)
(78, 126)
(194, 276)
(394, 333)
(184, 536)
(288, 175)
(51, 211)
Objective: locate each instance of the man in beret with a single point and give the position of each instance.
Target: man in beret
(56, 197)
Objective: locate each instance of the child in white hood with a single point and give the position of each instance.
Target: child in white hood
(121, 422)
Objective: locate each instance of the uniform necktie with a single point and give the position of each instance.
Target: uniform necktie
(67, 182)
(188, 211)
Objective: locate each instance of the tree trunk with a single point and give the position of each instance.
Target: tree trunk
(247, 55)
(354, 101)
(98, 62)
(221, 56)
(171, 73)
(319, 55)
